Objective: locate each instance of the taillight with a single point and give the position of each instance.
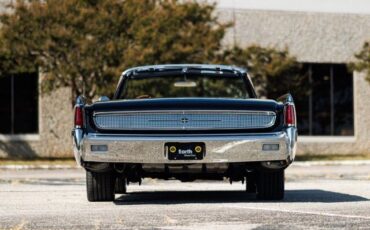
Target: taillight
(289, 115)
(79, 119)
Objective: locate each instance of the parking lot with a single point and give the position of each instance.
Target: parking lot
(317, 196)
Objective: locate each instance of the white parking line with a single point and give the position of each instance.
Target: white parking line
(299, 212)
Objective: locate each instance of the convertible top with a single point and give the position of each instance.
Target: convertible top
(184, 68)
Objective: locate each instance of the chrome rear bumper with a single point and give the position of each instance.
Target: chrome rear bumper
(149, 149)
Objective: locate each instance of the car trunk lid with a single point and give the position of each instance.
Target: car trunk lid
(184, 114)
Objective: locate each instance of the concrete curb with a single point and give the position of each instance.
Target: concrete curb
(328, 163)
(297, 163)
(43, 166)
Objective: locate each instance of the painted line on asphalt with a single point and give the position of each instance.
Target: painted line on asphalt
(301, 212)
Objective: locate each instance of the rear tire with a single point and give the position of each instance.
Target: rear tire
(100, 186)
(270, 185)
(121, 185)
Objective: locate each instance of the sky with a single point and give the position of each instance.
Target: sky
(329, 6)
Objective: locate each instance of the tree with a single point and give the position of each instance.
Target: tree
(4, 57)
(274, 72)
(363, 60)
(86, 44)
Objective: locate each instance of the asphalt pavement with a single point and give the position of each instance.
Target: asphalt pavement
(317, 197)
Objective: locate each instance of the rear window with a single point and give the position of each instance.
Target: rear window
(215, 86)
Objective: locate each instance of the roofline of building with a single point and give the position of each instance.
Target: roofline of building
(323, 6)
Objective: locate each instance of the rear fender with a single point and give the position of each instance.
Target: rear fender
(78, 131)
(291, 130)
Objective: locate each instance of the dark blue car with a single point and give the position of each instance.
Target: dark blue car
(185, 122)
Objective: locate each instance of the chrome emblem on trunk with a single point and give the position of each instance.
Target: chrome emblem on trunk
(184, 120)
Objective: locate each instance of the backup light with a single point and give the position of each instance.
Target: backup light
(99, 148)
(270, 147)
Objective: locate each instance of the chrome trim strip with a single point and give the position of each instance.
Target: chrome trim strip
(184, 136)
(183, 111)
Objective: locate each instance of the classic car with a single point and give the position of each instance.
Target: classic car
(186, 122)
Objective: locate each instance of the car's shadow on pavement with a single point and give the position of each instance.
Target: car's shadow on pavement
(181, 197)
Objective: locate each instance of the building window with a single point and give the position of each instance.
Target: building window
(19, 104)
(327, 108)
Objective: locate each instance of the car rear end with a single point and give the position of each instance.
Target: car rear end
(187, 138)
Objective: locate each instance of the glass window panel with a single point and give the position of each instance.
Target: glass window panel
(5, 105)
(195, 86)
(322, 107)
(320, 99)
(343, 101)
(302, 102)
(26, 103)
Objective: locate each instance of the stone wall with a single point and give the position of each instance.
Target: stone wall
(310, 36)
(55, 123)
